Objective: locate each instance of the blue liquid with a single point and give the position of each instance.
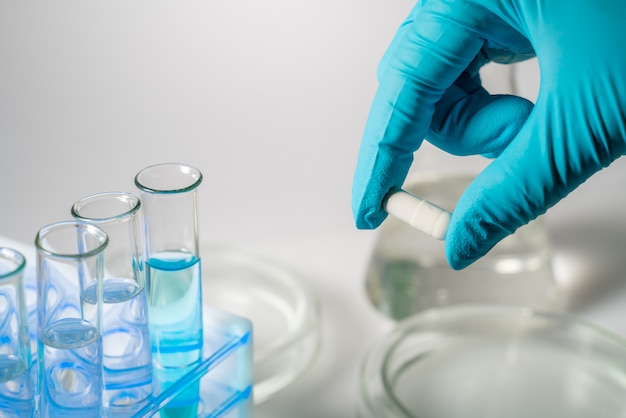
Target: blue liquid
(70, 361)
(127, 359)
(175, 311)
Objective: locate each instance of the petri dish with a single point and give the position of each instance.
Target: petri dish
(283, 311)
(494, 361)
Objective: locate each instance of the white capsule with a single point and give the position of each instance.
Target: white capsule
(419, 213)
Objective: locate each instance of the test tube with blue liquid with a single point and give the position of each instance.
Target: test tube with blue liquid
(169, 199)
(70, 263)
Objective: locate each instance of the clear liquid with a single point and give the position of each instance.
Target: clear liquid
(11, 367)
(114, 290)
(70, 360)
(402, 287)
(16, 394)
(175, 311)
(127, 359)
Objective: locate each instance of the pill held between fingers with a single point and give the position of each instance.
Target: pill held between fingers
(419, 213)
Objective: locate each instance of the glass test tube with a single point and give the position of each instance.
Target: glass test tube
(70, 263)
(169, 199)
(16, 386)
(127, 357)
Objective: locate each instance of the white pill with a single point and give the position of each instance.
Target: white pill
(419, 213)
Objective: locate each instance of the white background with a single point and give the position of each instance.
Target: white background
(268, 99)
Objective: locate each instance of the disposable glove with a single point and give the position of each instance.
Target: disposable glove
(429, 88)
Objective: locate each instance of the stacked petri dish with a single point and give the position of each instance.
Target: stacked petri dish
(283, 311)
(494, 361)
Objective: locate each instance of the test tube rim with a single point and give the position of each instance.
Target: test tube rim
(20, 264)
(97, 196)
(76, 223)
(198, 179)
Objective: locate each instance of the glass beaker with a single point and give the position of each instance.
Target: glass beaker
(169, 199)
(127, 358)
(16, 386)
(70, 262)
(408, 270)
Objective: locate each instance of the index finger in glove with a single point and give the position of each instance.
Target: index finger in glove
(430, 51)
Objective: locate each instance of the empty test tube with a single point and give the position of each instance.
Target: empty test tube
(419, 213)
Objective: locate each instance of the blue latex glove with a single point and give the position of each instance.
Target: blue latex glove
(429, 89)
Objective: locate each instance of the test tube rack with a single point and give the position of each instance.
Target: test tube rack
(224, 373)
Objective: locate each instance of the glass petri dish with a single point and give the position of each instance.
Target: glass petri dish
(494, 361)
(283, 311)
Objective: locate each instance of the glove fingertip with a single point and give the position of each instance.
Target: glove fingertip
(369, 219)
(470, 236)
(458, 249)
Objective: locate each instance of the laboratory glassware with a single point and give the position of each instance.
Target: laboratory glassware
(408, 271)
(16, 386)
(174, 290)
(224, 372)
(284, 312)
(70, 263)
(461, 361)
(127, 358)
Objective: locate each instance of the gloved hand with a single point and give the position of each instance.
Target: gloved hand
(429, 89)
